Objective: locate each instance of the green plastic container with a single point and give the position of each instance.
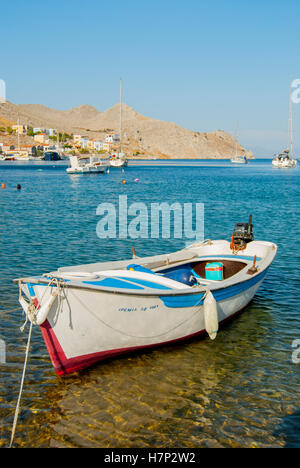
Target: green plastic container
(214, 271)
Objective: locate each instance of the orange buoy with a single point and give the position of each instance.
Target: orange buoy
(3, 186)
(123, 181)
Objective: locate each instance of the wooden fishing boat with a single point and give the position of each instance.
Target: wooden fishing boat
(91, 312)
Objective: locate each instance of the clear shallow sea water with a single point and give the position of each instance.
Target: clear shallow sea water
(241, 390)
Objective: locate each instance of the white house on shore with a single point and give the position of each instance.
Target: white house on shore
(76, 139)
(20, 129)
(98, 145)
(39, 130)
(84, 143)
(112, 138)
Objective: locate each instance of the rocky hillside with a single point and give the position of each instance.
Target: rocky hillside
(140, 134)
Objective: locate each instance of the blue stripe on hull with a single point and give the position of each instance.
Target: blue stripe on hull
(30, 289)
(113, 283)
(241, 257)
(126, 283)
(176, 300)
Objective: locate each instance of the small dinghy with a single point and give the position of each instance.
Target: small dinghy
(92, 312)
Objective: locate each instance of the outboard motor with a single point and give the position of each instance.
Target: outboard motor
(243, 234)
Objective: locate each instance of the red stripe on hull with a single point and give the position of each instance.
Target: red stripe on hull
(64, 366)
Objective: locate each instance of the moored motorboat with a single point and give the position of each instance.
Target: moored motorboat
(8, 157)
(86, 165)
(88, 313)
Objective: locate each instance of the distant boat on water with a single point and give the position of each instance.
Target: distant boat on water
(52, 156)
(86, 165)
(15, 155)
(119, 159)
(238, 158)
(286, 158)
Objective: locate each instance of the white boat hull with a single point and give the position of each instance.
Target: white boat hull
(286, 163)
(117, 163)
(239, 161)
(90, 334)
(86, 170)
(90, 165)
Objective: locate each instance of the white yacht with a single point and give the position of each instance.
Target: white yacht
(238, 158)
(286, 158)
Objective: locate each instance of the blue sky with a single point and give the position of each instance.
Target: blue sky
(202, 64)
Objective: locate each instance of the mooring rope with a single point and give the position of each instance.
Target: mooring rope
(21, 387)
(9, 311)
(31, 315)
(122, 332)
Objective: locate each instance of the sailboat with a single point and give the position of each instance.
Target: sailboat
(286, 158)
(238, 158)
(119, 159)
(19, 155)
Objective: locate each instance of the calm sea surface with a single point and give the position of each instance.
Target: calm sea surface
(242, 390)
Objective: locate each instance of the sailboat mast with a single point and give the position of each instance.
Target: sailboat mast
(18, 132)
(120, 115)
(291, 130)
(236, 140)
